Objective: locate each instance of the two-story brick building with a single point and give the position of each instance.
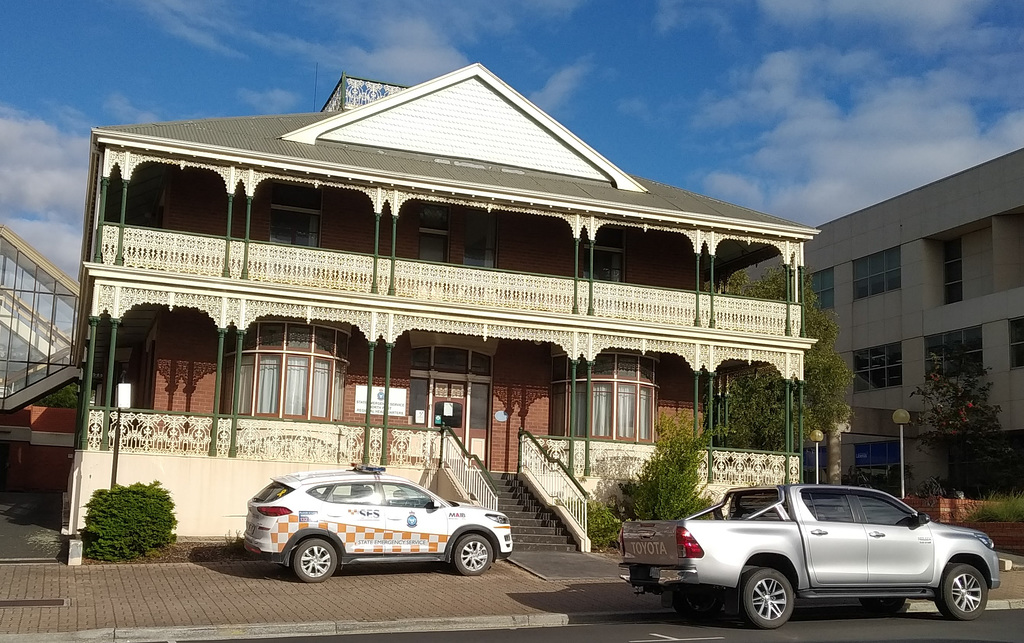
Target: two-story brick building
(309, 290)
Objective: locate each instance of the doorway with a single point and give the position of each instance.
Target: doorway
(5, 463)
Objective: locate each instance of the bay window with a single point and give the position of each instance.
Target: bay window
(622, 404)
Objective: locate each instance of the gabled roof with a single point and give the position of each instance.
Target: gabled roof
(355, 145)
(468, 114)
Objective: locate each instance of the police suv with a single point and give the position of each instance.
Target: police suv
(316, 521)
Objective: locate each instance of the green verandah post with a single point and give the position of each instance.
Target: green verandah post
(372, 345)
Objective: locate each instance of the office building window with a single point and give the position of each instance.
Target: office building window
(878, 367)
(295, 215)
(434, 233)
(609, 254)
(481, 234)
(823, 285)
(948, 346)
(1017, 342)
(876, 273)
(952, 271)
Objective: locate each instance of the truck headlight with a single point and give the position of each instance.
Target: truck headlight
(985, 540)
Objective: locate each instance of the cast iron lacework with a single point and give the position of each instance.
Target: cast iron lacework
(357, 92)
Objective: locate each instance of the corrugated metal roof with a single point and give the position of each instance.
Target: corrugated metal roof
(261, 135)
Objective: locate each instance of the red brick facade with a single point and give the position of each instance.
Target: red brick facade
(38, 467)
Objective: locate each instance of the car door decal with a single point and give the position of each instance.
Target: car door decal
(382, 541)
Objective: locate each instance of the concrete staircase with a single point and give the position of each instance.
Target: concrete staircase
(534, 526)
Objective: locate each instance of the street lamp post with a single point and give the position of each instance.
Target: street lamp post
(901, 417)
(816, 437)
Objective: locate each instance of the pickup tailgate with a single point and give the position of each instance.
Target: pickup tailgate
(650, 543)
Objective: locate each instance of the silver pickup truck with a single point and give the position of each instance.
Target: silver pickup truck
(760, 548)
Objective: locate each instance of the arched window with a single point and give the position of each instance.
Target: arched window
(623, 401)
(294, 371)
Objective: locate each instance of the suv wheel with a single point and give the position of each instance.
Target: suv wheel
(472, 555)
(767, 598)
(963, 593)
(314, 560)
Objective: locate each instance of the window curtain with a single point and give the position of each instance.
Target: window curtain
(321, 387)
(646, 413)
(626, 412)
(269, 384)
(602, 420)
(297, 386)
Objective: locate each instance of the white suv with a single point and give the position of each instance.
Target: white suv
(316, 521)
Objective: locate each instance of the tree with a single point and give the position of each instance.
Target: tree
(965, 425)
(757, 400)
(669, 486)
(64, 398)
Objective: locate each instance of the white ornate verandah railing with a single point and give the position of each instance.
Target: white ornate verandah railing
(190, 254)
(468, 470)
(166, 433)
(624, 460)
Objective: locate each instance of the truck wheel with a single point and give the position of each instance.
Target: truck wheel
(314, 560)
(767, 597)
(698, 606)
(472, 555)
(962, 594)
(883, 605)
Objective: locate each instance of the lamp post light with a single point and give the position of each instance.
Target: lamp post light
(901, 417)
(816, 437)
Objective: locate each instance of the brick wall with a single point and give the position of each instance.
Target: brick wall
(37, 467)
(944, 509)
(1007, 536)
(184, 362)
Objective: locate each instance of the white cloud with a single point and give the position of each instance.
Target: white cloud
(125, 112)
(42, 185)
(205, 24)
(272, 101)
(560, 87)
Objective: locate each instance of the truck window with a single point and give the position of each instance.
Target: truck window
(828, 507)
(879, 512)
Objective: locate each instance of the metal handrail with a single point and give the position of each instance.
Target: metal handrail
(468, 470)
(553, 477)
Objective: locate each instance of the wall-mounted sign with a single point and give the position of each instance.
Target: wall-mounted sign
(396, 401)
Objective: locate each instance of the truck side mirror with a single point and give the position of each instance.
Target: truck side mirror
(922, 518)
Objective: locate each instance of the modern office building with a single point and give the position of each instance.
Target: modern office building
(938, 266)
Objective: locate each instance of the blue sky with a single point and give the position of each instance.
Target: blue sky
(806, 109)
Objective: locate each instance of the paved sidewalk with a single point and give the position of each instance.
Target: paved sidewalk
(183, 601)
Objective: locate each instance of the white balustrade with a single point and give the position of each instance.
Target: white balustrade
(413, 448)
(306, 267)
(746, 469)
(473, 480)
(553, 479)
(163, 250)
(493, 288)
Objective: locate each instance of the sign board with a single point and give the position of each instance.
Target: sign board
(396, 401)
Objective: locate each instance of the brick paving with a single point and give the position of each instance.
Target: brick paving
(253, 593)
(190, 594)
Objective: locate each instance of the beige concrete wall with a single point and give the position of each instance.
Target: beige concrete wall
(210, 494)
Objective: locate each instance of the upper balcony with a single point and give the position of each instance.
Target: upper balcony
(172, 252)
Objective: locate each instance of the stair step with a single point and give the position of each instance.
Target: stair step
(542, 547)
(537, 539)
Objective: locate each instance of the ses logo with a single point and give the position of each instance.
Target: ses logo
(411, 520)
(365, 513)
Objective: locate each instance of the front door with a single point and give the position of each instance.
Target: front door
(474, 438)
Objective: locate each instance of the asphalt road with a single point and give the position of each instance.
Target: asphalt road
(834, 625)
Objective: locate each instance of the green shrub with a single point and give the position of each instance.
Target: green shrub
(602, 525)
(1000, 508)
(669, 485)
(123, 523)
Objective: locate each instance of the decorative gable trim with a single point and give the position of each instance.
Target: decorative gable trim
(519, 131)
